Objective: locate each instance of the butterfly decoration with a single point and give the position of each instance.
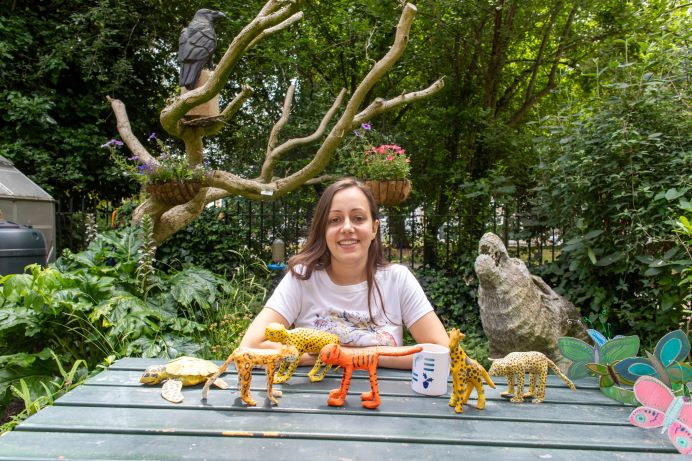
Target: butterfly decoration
(664, 364)
(426, 380)
(605, 352)
(661, 408)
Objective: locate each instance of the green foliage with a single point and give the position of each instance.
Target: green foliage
(617, 172)
(95, 304)
(454, 295)
(34, 399)
(683, 231)
(60, 60)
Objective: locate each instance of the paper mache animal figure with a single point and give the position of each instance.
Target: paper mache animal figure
(306, 340)
(246, 359)
(467, 374)
(360, 358)
(516, 364)
(183, 371)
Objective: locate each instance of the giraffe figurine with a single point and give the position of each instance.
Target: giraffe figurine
(466, 374)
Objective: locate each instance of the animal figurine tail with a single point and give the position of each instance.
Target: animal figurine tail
(557, 371)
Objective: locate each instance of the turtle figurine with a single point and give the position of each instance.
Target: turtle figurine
(183, 371)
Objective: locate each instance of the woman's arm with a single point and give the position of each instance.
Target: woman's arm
(427, 329)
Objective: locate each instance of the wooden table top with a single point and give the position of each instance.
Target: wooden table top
(114, 417)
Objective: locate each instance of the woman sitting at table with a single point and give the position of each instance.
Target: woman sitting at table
(341, 283)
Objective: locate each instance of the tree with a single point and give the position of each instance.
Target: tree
(273, 17)
(506, 62)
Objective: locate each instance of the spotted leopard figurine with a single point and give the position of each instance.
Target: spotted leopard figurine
(517, 364)
(248, 358)
(306, 340)
(467, 374)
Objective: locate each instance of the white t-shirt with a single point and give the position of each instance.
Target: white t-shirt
(321, 304)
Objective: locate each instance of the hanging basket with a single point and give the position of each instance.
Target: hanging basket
(391, 192)
(174, 192)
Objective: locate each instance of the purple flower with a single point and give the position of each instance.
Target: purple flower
(152, 136)
(366, 126)
(112, 142)
(358, 133)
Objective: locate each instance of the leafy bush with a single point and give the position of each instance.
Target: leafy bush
(620, 174)
(454, 295)
(101, 304)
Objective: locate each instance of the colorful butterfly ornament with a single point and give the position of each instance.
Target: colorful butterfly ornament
(604, 352)
(598, 360)
(664, 364)
(661, 408)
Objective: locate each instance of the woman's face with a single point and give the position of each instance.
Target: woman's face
(350, 228)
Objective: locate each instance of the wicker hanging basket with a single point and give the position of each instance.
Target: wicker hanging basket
(174, 192)
(391, 192)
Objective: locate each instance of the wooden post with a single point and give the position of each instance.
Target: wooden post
(209, 108)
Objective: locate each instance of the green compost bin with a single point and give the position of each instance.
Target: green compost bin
(20, 246)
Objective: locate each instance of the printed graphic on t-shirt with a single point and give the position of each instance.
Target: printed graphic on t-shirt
(355, 329)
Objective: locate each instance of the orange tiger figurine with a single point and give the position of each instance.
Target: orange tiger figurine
(362, 358)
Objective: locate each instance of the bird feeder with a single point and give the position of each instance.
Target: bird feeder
(278, 255)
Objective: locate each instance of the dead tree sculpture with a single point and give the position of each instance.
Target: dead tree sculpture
(273, 17)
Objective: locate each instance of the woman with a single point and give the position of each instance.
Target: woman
(340, 282)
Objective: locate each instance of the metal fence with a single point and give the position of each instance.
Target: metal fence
(71, 217)
(406, 234)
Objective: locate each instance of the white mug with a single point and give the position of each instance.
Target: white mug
(430, 370)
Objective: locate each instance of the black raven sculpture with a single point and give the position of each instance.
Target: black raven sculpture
(196, 46)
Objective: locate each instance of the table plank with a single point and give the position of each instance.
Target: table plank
(18, 446)
(213, 422)
(411, 405)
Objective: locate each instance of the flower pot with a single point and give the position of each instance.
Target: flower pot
(174, 192)
(390, 192)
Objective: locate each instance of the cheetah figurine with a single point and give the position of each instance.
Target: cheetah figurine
(466, 374)
(518, 364)
(306, 340)
(246, 359)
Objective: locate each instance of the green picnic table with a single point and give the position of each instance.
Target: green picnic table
(113, 417)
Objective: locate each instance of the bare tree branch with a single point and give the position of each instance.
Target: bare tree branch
(379, 105)
(230, 110)
(275, 153)
(126, 134)
(278, 126)
(287, 23)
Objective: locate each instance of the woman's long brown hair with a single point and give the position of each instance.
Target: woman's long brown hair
(315, 254)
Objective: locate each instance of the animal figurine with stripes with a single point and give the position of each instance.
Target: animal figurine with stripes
(360, 358)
